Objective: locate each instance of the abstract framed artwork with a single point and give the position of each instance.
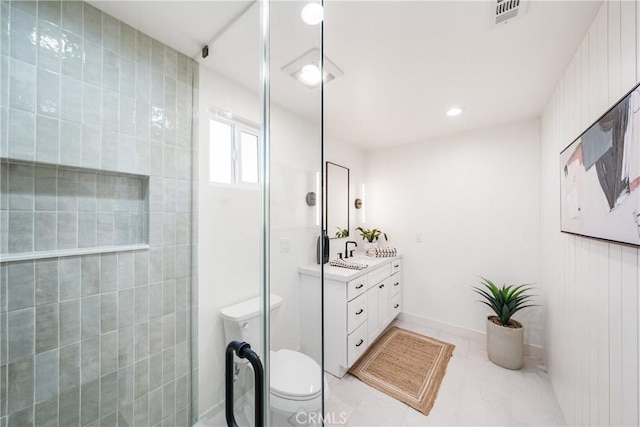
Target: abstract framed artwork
(600, 176)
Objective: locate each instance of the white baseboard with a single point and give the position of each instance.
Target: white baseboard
(531, 351)
(210, 414)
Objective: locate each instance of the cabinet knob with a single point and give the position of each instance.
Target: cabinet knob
(396, 306)
(396, 265)
(360, 343)
(359, 312)
(381, 286)
(396, 284)
(359, 286)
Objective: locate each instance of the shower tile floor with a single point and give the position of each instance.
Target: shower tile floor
(474, 392)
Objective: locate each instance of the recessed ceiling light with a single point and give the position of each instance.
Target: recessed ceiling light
(310, 75)
(312, 14)
(455, 111)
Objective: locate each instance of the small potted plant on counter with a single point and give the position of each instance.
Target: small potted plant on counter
(505, 336)
(371, 236)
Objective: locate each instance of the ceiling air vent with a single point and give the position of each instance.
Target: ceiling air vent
(504, 11)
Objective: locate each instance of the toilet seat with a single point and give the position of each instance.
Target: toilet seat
(294, 376)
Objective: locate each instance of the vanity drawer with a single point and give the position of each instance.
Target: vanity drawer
(396, 305)
(396, 266)
(356, 344)
(396, 284)
(379, 274)
(356, 313)
(356, 287)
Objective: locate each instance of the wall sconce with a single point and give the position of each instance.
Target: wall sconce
(311, 198)
(315, 197)
(362, 198)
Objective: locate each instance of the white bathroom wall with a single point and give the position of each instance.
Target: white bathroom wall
(591, 286)
(473, 199)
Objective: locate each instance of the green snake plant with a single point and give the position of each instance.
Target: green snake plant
(505, 301)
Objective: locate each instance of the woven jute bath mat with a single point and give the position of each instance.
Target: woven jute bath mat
(406, 366)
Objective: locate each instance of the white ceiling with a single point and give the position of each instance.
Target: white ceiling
(185, 25)
(404, 63)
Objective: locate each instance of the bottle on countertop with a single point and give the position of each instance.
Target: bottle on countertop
(322, 251)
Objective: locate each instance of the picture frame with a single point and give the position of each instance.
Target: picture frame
(600, 176)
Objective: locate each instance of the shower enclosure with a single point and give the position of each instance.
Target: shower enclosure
(143, 189)
(255, 227)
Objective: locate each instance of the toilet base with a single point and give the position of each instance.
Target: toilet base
(298, 419)
(280, 418)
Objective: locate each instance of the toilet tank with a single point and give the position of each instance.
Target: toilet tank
(242, 321)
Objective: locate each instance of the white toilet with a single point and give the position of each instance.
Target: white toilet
(294, 376)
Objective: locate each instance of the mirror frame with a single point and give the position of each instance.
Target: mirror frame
(326, 204)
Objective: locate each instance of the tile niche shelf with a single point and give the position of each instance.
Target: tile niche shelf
(49, 211)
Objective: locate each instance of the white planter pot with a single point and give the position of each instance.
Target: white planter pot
(505, 345)
(370, 245)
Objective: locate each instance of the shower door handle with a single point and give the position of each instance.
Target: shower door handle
(243, 350)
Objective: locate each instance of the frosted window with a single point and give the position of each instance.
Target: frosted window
(249, 157)
(221, 152)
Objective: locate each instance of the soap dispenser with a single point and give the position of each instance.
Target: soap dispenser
(322, 251)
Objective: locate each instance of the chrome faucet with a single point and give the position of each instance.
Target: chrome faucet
(346, 248)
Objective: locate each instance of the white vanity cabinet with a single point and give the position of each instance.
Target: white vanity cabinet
(384, 300)
(358, 306)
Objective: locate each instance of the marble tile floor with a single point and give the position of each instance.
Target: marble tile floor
(474, 392)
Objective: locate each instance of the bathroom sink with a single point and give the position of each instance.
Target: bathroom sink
(366, 260)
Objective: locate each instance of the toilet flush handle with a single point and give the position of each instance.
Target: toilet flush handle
(245, 325)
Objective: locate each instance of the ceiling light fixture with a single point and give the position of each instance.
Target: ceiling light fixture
(310, 75)
(312, 14)
(308, 70)
(455, 111)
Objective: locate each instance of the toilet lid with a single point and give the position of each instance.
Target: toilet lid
(294, 375)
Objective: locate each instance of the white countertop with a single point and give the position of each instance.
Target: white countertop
(346, 274)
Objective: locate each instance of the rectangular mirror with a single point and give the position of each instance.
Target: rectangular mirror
(337, 200)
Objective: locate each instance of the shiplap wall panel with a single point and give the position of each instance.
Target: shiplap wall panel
(592, 286)
(628, 59)
(602, 68)
(593, 71)
(637, 6)
(566, 345)
(629, 312)
(571, 102)
(584, 93)
(575, 339)
(568, 100)
(577, 88)
(613, 49)
(582, 288)
(602, 315)
(615, 335)
(592, 350)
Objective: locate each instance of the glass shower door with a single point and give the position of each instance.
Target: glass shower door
(296, 380)
(255, 234)
(230, 225)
